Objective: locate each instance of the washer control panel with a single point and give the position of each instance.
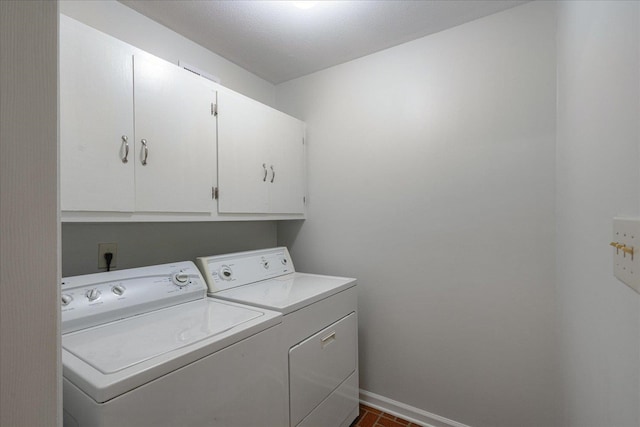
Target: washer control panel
(94, 299)
(231, 270)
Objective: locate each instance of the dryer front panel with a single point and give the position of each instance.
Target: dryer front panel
(319, 364)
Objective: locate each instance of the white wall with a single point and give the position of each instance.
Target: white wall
(598, 178)
(118, 20)
(30, 374)
(145, 244)
(431, 180)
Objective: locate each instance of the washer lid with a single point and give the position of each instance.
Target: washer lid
(287, 293)
(108, 360)
(113, 347)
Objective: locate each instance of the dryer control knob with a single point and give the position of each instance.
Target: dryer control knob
(225, 272)
(118, 290)
(181, 278)
(93, 294)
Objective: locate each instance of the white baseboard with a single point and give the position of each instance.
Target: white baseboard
(407, 412)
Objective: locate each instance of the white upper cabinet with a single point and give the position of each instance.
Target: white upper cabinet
(137, 133)
(260, 158)
(286, 163)
(241, 155)
(96, 121)
(175, 130)
(142, 139)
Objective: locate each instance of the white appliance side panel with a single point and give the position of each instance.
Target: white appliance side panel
(319, 364)
(340, 408)
(242, 385)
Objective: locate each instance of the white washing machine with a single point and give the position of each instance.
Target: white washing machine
(146, 347)
(320, 329)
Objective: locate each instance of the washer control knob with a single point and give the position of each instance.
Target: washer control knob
(265, 264)
(118, 290)
(92, 294)
(181, 278)
(283, 261)
(225, 272)
(66, 299)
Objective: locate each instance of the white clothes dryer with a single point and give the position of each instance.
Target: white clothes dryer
(320, 328)
(146, 347)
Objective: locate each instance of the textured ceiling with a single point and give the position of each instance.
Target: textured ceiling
(278, 41)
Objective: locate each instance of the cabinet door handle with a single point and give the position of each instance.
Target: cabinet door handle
(145, 152)
(125, 141)
(274, 174)
(264, 166)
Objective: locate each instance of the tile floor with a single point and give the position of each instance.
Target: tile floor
(371, 417)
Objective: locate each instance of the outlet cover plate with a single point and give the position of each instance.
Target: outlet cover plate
(103, 248)
(626, 267)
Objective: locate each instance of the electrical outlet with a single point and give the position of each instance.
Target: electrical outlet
(626, 251)
(103, 248)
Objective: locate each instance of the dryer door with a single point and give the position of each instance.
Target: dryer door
(319, 364)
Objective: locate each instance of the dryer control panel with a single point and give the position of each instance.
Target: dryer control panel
(94, 299)
(231, 270)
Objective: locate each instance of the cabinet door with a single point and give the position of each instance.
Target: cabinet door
(243, 171)
(176, 165)
(286, 154)
(96, 111)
